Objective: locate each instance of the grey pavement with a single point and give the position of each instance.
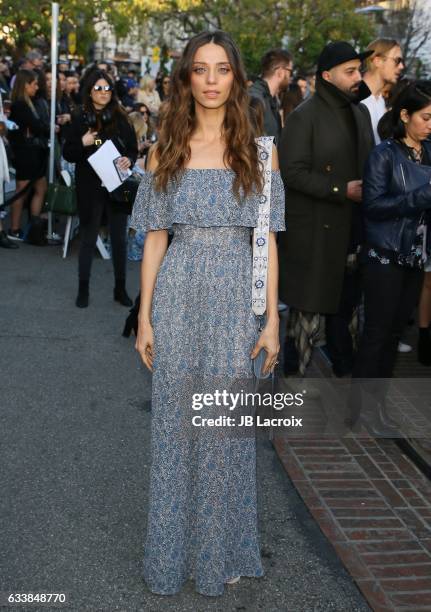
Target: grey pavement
(74, 457)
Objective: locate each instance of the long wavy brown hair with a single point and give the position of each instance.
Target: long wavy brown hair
(178, 121)
(23, 78)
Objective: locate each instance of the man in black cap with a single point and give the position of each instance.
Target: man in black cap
(322, 150)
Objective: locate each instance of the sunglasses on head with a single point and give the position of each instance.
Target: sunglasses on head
(102, 88)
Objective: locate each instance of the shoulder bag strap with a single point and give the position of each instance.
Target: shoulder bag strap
(261, 231)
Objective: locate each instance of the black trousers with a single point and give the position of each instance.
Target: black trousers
(391, 292)
(338, 337)
(117, 222)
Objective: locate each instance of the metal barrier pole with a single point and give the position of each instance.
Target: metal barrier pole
(54, 60)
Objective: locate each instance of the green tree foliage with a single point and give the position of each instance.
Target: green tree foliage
(312, 23)
(257, 25)
(22, 23)
(27, 23)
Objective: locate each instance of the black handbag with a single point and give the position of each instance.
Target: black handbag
(126, 192)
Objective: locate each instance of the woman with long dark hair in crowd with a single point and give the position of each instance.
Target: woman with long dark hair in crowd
(40, 100)
(396, 213)
(101, 118)
(290, 99)
(63, 106)
(29, 145)
(197, 329)
(164, 87)
(141, 120)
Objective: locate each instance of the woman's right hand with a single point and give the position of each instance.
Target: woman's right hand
(64, 118)
(145, 344)
(89, 138)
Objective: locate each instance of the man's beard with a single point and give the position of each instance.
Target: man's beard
(362, 92)
(284, 85)
(352, 92)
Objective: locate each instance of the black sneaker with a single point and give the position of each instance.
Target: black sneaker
(5, 243)
(16, 235)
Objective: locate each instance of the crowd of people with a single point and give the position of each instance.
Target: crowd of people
(96, 99)
(25, 93)
(341, 215)
(352, 220)
(345, 245)
(356, 208)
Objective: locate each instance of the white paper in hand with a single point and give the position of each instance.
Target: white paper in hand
(102, 162)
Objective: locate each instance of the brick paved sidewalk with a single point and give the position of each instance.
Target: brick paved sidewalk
(374, 506)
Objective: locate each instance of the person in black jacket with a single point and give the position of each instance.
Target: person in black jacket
(277, 67)
(29, 145)
(323, 148)
(101, 118)
(396, 215)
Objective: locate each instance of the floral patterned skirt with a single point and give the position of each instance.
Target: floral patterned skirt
(202, 521)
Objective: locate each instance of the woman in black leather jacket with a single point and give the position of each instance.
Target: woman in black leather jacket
(396, 215)
(100, 119)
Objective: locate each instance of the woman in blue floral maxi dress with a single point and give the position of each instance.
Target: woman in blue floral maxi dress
(196, 333)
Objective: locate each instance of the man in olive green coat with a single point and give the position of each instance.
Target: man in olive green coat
(322, 150)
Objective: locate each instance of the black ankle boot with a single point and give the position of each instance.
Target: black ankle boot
(424, 346)
(120, 294)
(82, 298)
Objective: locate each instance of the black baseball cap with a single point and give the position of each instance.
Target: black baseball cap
(336, 53)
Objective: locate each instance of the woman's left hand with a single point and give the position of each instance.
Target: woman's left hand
(124, 163)
(270, 342)
(64, 118)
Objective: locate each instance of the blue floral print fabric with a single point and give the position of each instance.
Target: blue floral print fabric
(202, 520)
